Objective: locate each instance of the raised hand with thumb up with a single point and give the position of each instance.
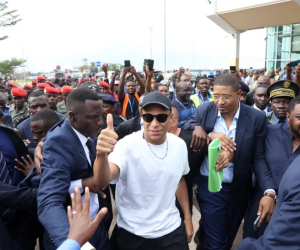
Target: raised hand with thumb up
(107, 138)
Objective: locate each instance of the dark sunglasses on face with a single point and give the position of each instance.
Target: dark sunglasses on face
(161, 118)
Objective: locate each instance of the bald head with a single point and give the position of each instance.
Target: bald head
(264, 80)
(183, 91)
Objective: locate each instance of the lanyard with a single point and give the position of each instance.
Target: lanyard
(187, 110)
(131, 106)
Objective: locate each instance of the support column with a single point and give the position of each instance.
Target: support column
(235, 54)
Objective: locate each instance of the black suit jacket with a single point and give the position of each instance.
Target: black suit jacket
(128, 127)
(250, 142)
(18, 198)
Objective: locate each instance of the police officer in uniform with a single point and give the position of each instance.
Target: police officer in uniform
(280, 93)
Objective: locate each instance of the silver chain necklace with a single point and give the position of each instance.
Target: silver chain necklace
(154, 153)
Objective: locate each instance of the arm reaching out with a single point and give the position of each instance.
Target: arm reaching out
(104, 171)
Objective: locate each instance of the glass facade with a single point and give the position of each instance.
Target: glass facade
(283, 44)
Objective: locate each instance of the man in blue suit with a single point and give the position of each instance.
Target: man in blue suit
(68, 156)
(283, 229)
(244, 129)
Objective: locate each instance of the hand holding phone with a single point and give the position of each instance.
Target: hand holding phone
(255, 224)
(293, 64)
(127, 63)
(150, 64)
(232, 68)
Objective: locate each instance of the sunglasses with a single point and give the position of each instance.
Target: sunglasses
(161, 118)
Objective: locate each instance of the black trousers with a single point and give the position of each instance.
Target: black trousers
(176, 240)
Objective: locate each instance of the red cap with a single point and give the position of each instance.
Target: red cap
(50, 83)
(28, 86)
(58, 90)
(66, 89)
(33, 82)
(55, 77)
(42, 85)
(40, 78)
(81, 80)
(11, 84)
(69, 76)
(104, 84)
(18, 92)
(50, 90)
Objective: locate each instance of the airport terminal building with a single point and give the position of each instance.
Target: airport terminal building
(280, 18)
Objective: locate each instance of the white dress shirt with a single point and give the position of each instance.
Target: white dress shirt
(78, 183)
(265, 110)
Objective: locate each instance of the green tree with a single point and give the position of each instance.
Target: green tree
(7, 18)
(10, 66)
(54, 71)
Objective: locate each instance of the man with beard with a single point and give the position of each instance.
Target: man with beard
(261, 99)
(280, 95)
(183, 103)
(72, 160)
(130, 101)
(203, 95)
(52, 96)
(19, 109)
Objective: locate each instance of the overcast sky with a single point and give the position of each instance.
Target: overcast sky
(63, 32)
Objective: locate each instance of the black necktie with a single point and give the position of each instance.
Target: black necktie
(91, 152)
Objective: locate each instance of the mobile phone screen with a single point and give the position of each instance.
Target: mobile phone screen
(127, 63)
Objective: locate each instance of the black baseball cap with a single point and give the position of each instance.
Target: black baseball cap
(92, 86)
(157, 98)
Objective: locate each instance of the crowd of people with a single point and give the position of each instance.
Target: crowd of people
(144, 143)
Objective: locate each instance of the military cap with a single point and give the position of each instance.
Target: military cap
(104, 84)
(11, 84)
(28, 86)
(50, 83)
(109, 99)
(40, 78)
(50, 90)
(283, 88)
(66, 89)
(18, 92)
(58, 90)
(34, 82)
(42, 85)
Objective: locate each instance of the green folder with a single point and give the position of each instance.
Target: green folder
(215, 178)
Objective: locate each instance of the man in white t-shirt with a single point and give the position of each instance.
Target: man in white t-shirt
(148, 168)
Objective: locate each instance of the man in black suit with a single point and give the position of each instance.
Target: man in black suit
(261, 80)
(245, 129)
(133, 125)
(69, 163)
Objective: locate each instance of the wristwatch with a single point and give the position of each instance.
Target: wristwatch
(273, 196)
